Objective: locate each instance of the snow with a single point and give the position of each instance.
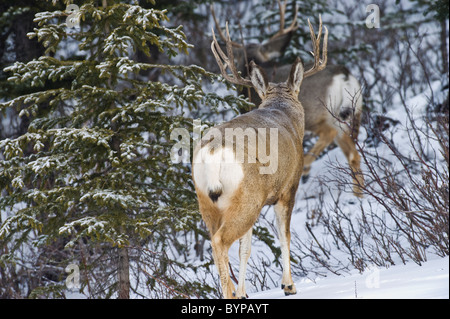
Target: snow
(410, 281)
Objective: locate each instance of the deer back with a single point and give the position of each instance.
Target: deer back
(261, 149)
(334, 90)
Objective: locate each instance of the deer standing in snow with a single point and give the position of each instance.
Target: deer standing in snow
(331, 99)
(232, 188)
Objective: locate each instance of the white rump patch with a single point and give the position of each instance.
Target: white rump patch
(344, 94)
(352, 93)
(217, 171)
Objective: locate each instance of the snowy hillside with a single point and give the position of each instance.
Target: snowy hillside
(431, 280)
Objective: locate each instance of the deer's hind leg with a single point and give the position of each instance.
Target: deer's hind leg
(212, 216)
(283, 210)
(245, 245)
(236, 223)
(347, 144)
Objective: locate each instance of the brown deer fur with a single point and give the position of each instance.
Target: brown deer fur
(232, 192)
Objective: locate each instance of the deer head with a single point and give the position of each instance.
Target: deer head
(228, 60)
(267, 51)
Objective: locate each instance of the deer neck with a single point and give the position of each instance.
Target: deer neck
(292, 110)
(289, 104)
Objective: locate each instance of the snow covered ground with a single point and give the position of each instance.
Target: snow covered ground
(410, 281)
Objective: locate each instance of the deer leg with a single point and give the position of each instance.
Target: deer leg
(236, 222)
(212, 218)
(245, 245)
(220, 255)
(283, 212)
(326, 136)
(347, 145)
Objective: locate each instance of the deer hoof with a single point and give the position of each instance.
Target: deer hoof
(289, 290)
(287, 293)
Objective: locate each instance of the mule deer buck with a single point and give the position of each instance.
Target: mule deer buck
(331, 99)
(232, 192)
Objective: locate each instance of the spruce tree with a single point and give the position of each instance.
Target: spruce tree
(93, 173)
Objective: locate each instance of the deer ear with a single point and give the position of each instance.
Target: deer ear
(296, 76)
(259, 79)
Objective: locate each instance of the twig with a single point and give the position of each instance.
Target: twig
(165, 285)
(317, 242)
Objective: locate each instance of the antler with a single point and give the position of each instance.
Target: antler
(293, 25)
(221, 35)
(227, 60)
(319, 64)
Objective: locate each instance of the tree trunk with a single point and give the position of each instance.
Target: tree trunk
(124, 274)
(444, 46)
